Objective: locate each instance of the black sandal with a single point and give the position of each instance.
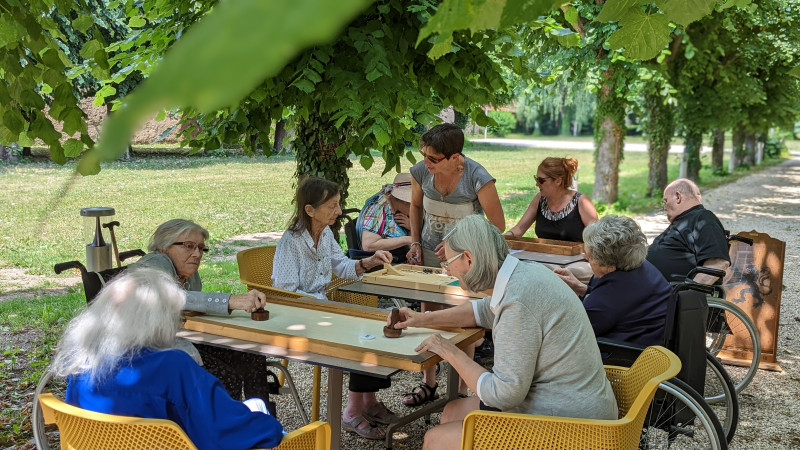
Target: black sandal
(421, 394)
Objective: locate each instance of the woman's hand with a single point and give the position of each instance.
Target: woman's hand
(439, 345)
(414, 254)
(408, 318)
(248, 302)
(574, 284)
(378, 259)
(402, 220)
(440, 251)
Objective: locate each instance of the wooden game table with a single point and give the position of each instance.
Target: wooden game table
(334, 335)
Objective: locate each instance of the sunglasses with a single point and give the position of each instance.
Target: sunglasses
(432, 159)
(541, 180)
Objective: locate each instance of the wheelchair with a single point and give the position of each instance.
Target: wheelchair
(679, 415)
(94, 281)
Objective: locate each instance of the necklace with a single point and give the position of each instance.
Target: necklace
(448, 188)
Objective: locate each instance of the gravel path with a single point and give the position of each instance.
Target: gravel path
(768, 202)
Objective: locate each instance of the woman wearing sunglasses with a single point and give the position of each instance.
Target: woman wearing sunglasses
(176, 249)
(446, 187)
(559, 211)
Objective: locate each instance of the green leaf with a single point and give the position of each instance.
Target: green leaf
(795, 72)
(8, 31)
(137, 22)
(443, 68)
(51, 58)
(89, 48)
(641, 36)
(212, 64)
(382, 136)
(366, 161)
(31, 99)
(107, 91)
(614, 10)
(304, 85)
(57, 154)
(684, 12)
(72, 147)
(24, 140)
(12, 119)
(83, 22)
(571, 15)
(73, 122)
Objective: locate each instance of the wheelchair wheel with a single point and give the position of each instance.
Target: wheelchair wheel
(726, 319)
(679, 418)
(721, 396)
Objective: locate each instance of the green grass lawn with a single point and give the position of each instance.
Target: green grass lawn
(40, 202)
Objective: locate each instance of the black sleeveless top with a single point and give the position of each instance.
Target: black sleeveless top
(564, 225)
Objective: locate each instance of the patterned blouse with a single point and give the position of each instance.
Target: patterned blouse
(299, 267)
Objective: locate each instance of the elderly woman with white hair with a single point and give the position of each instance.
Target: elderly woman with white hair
(546, 359)
(118, 358)
(627, 298)
(176, 249)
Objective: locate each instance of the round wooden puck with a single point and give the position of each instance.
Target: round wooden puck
(391, 332)
(260, 314)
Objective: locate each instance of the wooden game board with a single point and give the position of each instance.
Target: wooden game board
(331, 329)
(419, 278)
(552, 246)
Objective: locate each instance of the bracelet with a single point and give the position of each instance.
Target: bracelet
(415, 243)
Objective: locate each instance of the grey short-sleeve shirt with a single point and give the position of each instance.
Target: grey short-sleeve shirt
(443, 212)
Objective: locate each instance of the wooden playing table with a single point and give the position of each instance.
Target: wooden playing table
(340, 337)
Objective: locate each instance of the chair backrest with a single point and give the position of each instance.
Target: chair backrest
(314, 436)
(82, 429)
(255, 265)
(685, 333)
(334, 294)
(634, 389)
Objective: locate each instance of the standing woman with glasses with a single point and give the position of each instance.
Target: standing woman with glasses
(446, 187)
(559, 211)
(176, 248)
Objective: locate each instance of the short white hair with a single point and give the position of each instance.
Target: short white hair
(139, 309)
(616, 241)
(171, 231)
(488, 248)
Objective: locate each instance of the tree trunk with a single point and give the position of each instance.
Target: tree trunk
(690, 166)
(26, 152)
(659, 128)
(718, 151)
(760, 146)
(280, 135)
(737, 152)
(750, 149)
(315, 145)
(609, 136)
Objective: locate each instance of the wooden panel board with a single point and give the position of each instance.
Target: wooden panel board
(418, 277)
(331, 329)
(545, 245)
(753, 282)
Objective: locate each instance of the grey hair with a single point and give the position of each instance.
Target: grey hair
(488, 248)
(136, 310)
(171, 231)
(616, 241)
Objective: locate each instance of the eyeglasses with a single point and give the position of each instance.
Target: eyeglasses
(432, 159)
(189, 245)
(446, 264)
(541, 180)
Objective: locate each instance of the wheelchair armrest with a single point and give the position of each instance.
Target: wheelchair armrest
(130, 254)
(736, 237)
(60, 267)
(618, 353)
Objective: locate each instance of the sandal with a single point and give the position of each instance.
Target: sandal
(421, 394)
(379, 413)
(371, 432)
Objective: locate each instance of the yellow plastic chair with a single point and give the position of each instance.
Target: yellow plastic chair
(634, 388)
(82, 429)
(255, 266)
